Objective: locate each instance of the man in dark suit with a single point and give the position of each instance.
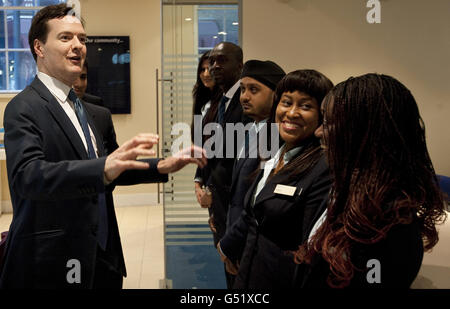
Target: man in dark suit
(226, 62)
(80, 85)
(64, 231)
(258, 82)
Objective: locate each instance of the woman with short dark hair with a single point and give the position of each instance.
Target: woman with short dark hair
(292, 184)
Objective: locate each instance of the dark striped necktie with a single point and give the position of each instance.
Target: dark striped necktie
(221, 112)
(102, 235)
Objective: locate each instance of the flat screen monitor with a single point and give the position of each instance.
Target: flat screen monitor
(109, 71)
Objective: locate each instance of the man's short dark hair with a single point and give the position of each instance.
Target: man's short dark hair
(39, 25)
(235, 51)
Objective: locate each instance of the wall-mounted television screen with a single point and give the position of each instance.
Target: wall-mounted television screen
(109, 71)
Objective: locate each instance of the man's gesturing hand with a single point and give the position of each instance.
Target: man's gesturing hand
(182, 158)
(124, 158)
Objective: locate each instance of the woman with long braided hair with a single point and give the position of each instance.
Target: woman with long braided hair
(385, 199)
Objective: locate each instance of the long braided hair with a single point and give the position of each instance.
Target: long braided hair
(383, 175)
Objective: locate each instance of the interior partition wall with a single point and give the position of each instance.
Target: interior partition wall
(189, 28)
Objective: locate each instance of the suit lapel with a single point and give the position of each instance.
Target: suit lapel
(267, 191)
(98, 138)
(60, 117)
(238, 164)
(233, 104)
(235, 173)
(251, 190)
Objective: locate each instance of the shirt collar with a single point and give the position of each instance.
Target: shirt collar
(258, 125)
(56, 87)
(291, 154)
(230, 93)
(287, 156)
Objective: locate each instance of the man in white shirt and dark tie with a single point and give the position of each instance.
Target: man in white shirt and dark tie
(63, 233)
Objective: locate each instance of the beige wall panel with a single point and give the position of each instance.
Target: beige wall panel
(411, 43)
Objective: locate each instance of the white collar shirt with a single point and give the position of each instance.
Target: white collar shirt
(61, 91)
(271, 164)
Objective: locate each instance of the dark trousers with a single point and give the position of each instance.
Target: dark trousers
(106, 276)
(229, 278)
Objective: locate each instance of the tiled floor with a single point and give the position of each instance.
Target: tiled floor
(141, 229)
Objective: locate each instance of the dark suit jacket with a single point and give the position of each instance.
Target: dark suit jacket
(102, 119)
(241, 182)
(244, 170)
(275, 227)
(399, 255)
(54, 191)
(220, 169)
(93, 99)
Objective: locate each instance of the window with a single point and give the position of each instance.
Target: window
(217, 23)
(17, 66)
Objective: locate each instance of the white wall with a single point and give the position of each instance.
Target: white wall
(141, 20)
(411, 43)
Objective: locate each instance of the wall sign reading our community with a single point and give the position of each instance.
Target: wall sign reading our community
(109, 71)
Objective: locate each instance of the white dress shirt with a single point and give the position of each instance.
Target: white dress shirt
(205, 109)
(253, 142)
(61, 91)
(317, 225)
(271, 164)
(230, 93)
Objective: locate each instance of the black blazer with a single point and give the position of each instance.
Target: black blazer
(244, 170)
(54, 189)
(275, 227)
(220, 169)
(93, 99)
(241, 182)
(399, 255)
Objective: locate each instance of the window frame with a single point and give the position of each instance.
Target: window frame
(8, 93)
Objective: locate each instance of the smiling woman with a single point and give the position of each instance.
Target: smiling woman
(298, 116)
(286, 194)
(385, 200)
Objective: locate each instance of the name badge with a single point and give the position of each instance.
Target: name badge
(285, 190)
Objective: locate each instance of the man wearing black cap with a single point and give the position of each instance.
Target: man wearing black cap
(258, 83)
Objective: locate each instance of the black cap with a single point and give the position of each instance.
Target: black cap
(267, 72)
